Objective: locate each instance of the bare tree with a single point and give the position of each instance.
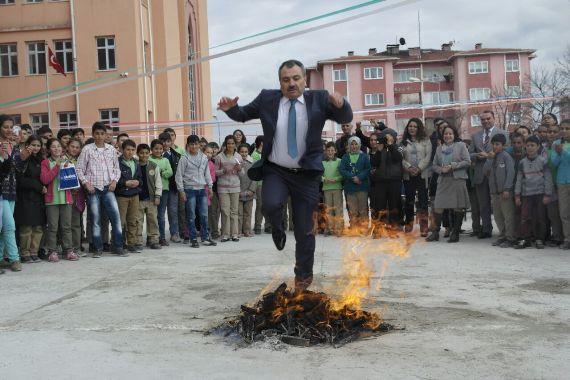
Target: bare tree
(548, 86)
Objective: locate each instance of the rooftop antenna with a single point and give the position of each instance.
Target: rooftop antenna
(419, 34)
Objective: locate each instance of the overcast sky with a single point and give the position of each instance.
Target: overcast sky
(537, 24)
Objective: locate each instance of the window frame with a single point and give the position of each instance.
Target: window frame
(516, 94)
(10, 54)
(475, 120)
(379, 69)
(379, 94)
(7, 2)
(486, 89)
(110, 121)
(36, 54)
(61, 54)
(512, 70)
(417, 70)
(106, 48)
(451, 96)
(339, 71)
(68, 123)
(475, 71)
(42, 123)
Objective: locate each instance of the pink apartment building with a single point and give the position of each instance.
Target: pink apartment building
(113, 39)
(393, 85)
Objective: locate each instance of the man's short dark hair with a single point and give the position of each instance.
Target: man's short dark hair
(76, 131)
(330, 144)
(164, 136)
(143, 147)
(169, 130)
(4, 117)
(291, 63)
(122, 135)
(192, 139)
(63, 132)
(26, 127)
(98, 126)
(43, 130)
(489, 111)
(532, 139)
(246, 146)
(127, 143)
(499, 138)
(156, 142)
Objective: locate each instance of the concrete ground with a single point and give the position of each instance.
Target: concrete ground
(469, 311)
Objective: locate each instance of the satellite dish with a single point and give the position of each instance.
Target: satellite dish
(402, 41)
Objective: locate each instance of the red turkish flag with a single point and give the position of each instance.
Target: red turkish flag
(53, 62)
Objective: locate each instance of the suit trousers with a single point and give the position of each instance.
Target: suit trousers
(244, 213)
(149, 210)
(229, 204)
(504, 213)
(335, 216)
(484, 199)
(564, 208)
(475, 215)
(30, 239)
(303, 188)
(129, 213)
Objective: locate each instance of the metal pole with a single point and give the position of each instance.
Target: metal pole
(74, 52)
(46, 51)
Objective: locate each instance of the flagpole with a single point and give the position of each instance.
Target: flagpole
(47, 83)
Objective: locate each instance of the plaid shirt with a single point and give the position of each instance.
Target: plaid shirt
(99, 169)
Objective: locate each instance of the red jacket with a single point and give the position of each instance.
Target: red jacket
(47, 176)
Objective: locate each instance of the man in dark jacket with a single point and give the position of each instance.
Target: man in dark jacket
(128, 189)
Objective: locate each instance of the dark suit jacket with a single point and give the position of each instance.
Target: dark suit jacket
(477, 146)
(266, 107)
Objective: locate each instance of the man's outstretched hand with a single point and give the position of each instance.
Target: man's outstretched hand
(336, 99)
(226, 103)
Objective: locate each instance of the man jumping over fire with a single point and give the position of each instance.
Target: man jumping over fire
(291, 164)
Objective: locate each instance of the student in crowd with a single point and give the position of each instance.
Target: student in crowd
(172, 207)
(341, 143)
(78, 195)
(64, 135)
(446, 217)
(58, 204)
(355, 170)
(500, 171)
(416, 163)
(121, 138)
(194, 186)
(373, 148)
(149, 199)
(182, 225)
(30, 213)
(524, 131)
(98, 171)
(556, 237)
(560, 158)
(533, 190)
(247, 193)
(332, 191)
(239, 137)
(228, 167)
(387, 174)
(211, 151)
(25, 132)
(128, 190)
(79, 134)
(179, 149)
(108, 135)
(45, 133)
(256, 156)
(451, 163)
(366, 141)
(157, 149)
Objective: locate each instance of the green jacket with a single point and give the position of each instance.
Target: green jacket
(256, 156)
(165, 170)
(332, 172)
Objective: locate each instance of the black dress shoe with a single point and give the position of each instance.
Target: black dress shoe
(484, 235)
(279, 238)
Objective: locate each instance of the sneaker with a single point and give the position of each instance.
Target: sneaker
(195, 244)
(175, 239)
(25, 259)
(499, 241)
(186, 241)
(107, 247)
(53, 257)
(539, 244)
(35, 259)
(97, 254)
(72, 256)
(155, 246)
(209, 242)
(522, 244)
(257, 231)
(139, 248)
(120, 252)
(91, 248)
(235, 238)
(16, 266)
(163, 242)
(132, 249)
(225, 239)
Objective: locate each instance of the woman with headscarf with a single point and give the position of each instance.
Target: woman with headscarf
(355, 169)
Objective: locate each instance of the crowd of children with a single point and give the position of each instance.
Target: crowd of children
(203, 189)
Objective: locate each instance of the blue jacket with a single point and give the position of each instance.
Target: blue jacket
(361, 169)
(561, 162)
(127, 175)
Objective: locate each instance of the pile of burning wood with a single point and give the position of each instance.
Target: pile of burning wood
(303, 319)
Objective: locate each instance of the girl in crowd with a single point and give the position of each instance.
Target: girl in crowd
(228, 167)
(355, 169)
(451, 162)
(157, 149)
(73, 151)
(30, 209)
(239, 137)
(58, 204)
(416, 163)
(446, 217)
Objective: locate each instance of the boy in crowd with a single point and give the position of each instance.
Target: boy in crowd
(256, 156)
(247, 193)
(149, 198)
(560, 158)
(517, 152)
(157, 148)
(64, 135)
(556, 237)
(214, 207)
(128, 190)
(332, 189)
(172, 207)
(182, 226)
(533, 190)
(121, 138)
(79, 134)
(25, 132)
(179, 149)
(194, 185)
(108, 135)
(500, 170)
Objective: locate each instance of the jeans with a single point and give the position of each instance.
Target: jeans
(106, 199)
(161, 214)
(8, 235)
(173, 212)
(197, 198)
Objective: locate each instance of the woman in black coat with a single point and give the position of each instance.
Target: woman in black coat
(30, 209)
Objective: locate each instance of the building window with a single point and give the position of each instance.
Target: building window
(64, 55)
(36, 58)
(109, 116)
(442, 97)
(476, 94)
(413, 98)
(475, 121)
(373, 73)
(8, 60)
(67, 119)
(34, 1)
(513, 92)
(373, 99)
(512, 65)
(404, 75)
(6, 2)
(479, 67)
(17, 119)
(38, 120)
(106, 53)
(339, 75)
(436, 74)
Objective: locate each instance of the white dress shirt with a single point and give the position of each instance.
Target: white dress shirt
(279, 154)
